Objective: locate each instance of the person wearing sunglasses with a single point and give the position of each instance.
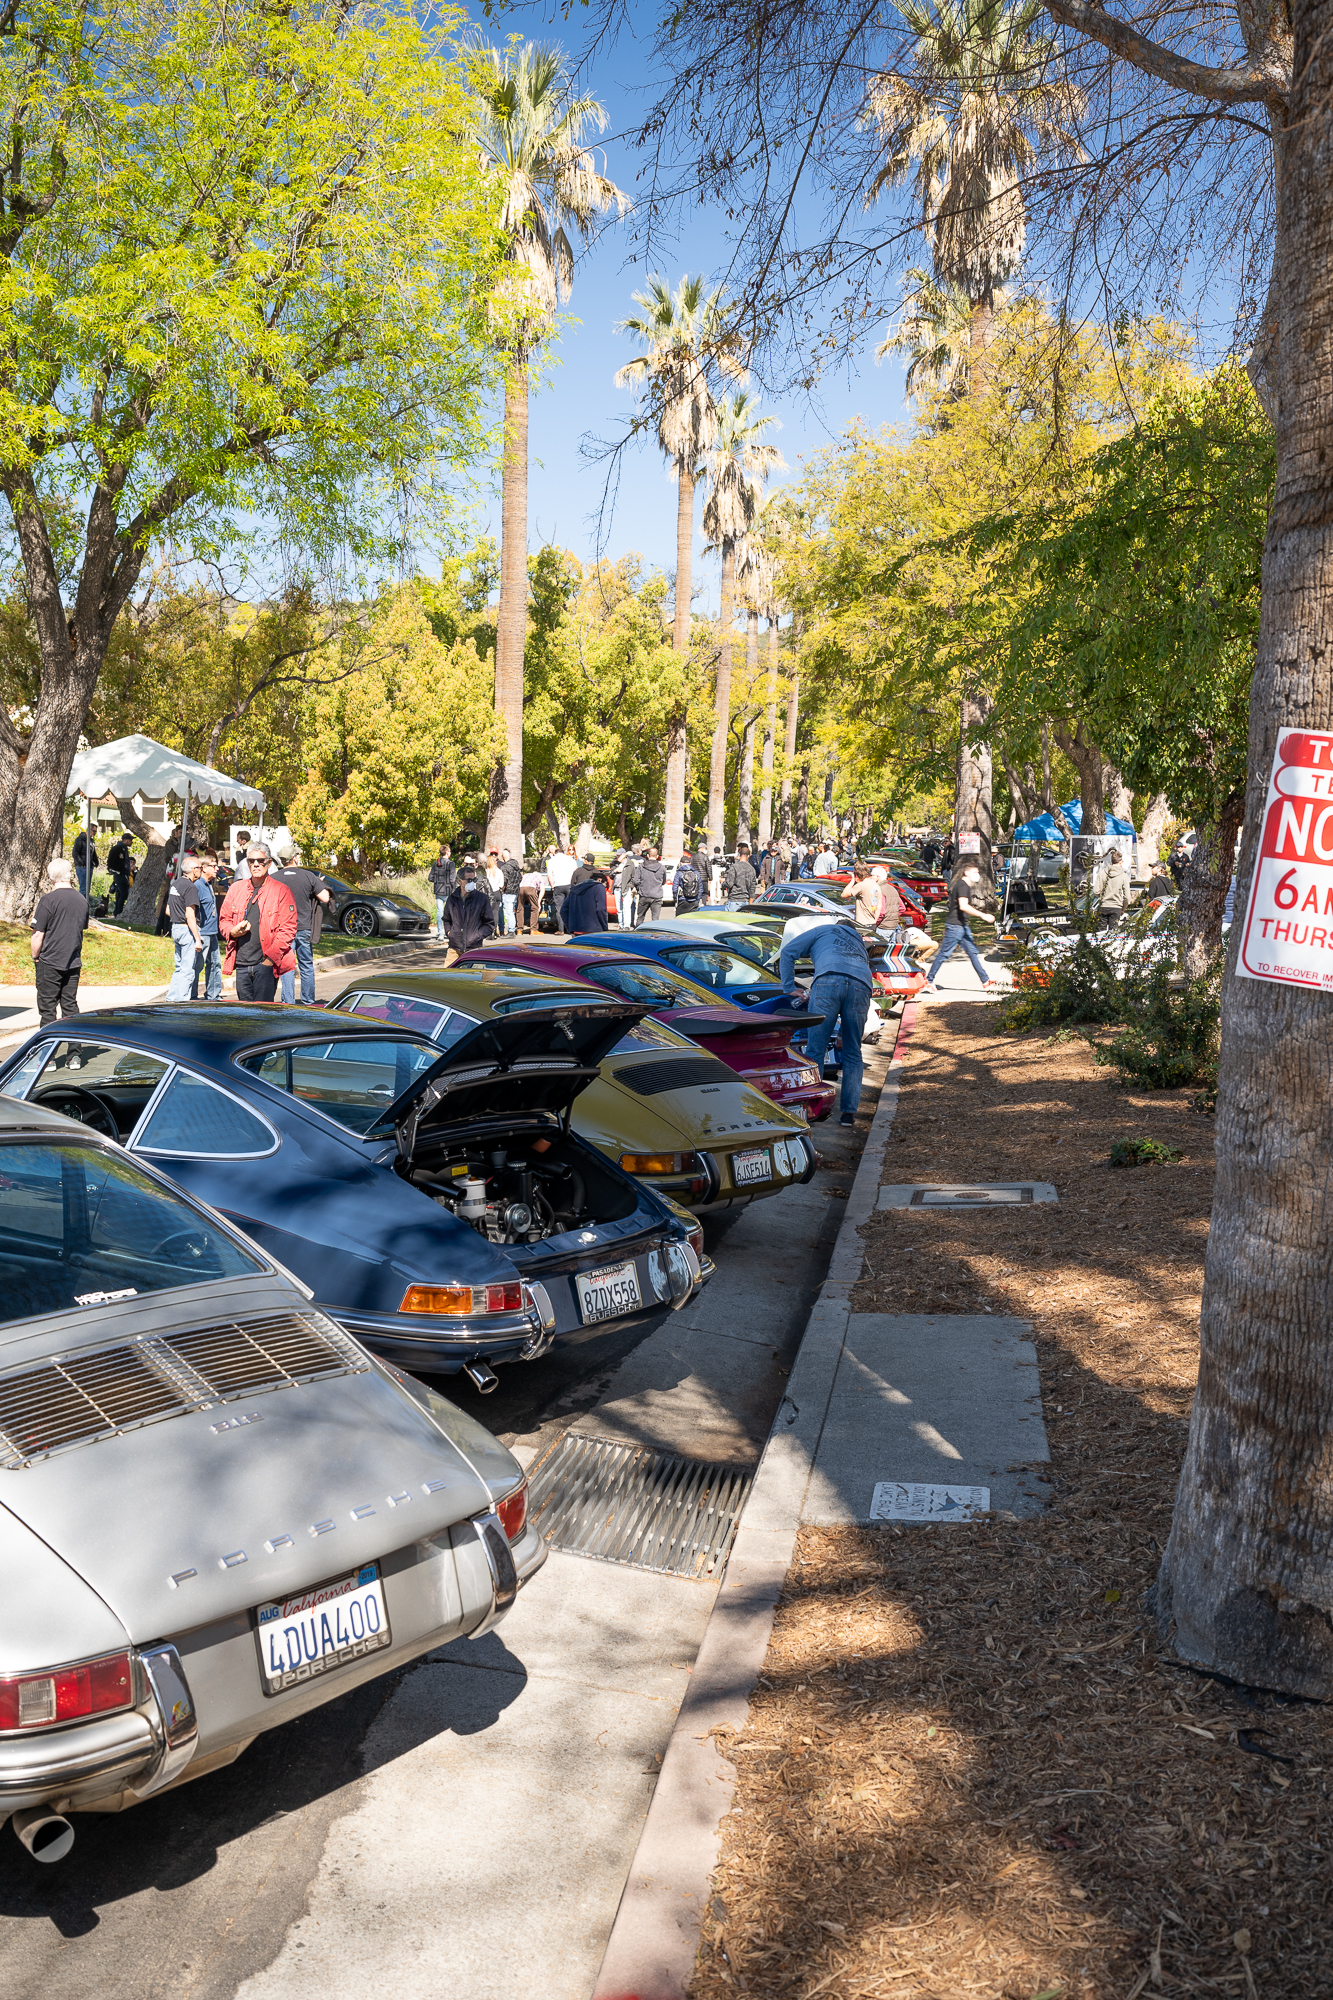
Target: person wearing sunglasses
(258, 921)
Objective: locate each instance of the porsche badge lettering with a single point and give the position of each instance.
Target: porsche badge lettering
(237, 1423)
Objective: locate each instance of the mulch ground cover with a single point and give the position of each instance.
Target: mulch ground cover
(969, 1768)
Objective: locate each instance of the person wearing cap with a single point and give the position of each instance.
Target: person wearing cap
(258, 921)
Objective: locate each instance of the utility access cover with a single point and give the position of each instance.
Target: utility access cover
(621, 1503)
(899, 1500)
(966, 1194)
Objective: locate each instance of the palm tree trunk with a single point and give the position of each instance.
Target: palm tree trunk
(673, 835)
(745, 783)
(980, 334)
(770, 732)
(789, 753)
(717, 770)
(504, 822)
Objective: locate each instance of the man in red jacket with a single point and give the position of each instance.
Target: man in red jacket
(258, 921)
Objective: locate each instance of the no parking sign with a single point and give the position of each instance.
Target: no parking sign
(1289, 923)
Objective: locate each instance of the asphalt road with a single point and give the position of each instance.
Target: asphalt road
(463, 1826)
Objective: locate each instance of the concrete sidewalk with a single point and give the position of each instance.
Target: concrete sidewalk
(18, 1004)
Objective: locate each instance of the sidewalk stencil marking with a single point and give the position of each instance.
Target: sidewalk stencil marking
(977, 1194)
(897, 1500)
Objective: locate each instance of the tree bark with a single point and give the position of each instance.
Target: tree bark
(979, 334)
(141, 904)
(1150, 835)
(1245, 1587)
(504, 822)
(717, 768)
(803, 802)
(789, 756)
(673, 834)
(770, 735)
(974, 807)
(1203, 893)
(1088, 761)
(745, 783)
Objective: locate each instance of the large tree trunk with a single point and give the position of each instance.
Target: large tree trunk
(1119, 798)
(974, 807)
(1088, 761)
(141, 904)
(1246, 1587)
(789, 756)
(1203, 894)
(770, 735)
(980, 333)
(673, 835)
(504, 823)
(745, 784)
(803, 802)
(717, 768)
(1150, 835)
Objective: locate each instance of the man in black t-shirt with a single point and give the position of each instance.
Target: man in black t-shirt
(309, 894)
(58, 924)
(966, 901)
(183, 917)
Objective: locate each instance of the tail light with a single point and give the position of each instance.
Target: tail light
(463, 1301)
(660, 1163)
(513, 1512)
(31, 1701)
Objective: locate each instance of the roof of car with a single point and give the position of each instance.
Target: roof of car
(208, 1032)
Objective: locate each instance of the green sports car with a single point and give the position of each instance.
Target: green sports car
(661, 1108)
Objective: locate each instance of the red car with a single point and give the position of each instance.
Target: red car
(756, 1045)
(929, 887)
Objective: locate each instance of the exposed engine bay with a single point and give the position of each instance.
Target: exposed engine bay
(522, 1188)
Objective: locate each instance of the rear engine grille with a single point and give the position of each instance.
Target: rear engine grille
(622, 1503)
(673, 1073)
(103, 1393)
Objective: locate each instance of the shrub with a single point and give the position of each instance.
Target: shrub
(1143, 1153)
(1171, 1035)
(1083, 986)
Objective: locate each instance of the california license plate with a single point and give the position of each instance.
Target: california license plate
(320, 1629)
(608, 1293)
(756, 1166)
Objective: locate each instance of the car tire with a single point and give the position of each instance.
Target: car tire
(360, 921)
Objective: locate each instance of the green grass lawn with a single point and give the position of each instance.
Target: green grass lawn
(112, 956)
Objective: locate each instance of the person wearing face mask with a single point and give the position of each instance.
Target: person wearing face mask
(469, 917)
(965, 903)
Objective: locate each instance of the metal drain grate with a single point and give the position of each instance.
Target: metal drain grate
(622, 1503)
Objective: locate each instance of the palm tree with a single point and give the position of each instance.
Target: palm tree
(983, 96)
(530, 130)
(740, 464)
(935, 331)
(686, 345)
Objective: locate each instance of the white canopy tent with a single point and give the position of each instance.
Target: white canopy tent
(136, 764)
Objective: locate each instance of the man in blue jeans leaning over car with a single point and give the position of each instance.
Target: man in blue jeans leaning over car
(840, 991)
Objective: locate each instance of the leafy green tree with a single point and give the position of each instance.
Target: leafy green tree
(246, 255)
(400, 750)
(531, 132)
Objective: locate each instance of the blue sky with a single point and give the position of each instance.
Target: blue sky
(580, 397)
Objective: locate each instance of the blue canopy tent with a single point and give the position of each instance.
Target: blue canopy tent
(1043, 827)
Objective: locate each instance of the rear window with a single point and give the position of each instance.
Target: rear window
(351, 1081)
(81, 1226)
(718, 969)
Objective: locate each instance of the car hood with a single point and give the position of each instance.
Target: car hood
(512, 1066)
(199, 1515)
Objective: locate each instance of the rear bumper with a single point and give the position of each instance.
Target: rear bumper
(85, 1761)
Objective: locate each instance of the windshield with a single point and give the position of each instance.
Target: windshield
(351, 1081)
(81, 1226)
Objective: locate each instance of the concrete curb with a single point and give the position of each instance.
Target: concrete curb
(399, 950)
(655, 1938)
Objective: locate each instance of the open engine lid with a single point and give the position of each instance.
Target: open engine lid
(534, 1060)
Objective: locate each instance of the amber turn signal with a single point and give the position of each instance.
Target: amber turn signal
(437, 1299)
(659, 1163)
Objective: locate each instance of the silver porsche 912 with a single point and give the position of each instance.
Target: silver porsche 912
(217, 1510)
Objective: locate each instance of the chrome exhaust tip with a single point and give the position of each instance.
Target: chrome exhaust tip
(485, 1378)
(47, 1835)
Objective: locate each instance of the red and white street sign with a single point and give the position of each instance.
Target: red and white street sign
(1289, 923)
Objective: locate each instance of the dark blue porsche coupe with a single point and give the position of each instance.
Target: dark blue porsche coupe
(438, 1206)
